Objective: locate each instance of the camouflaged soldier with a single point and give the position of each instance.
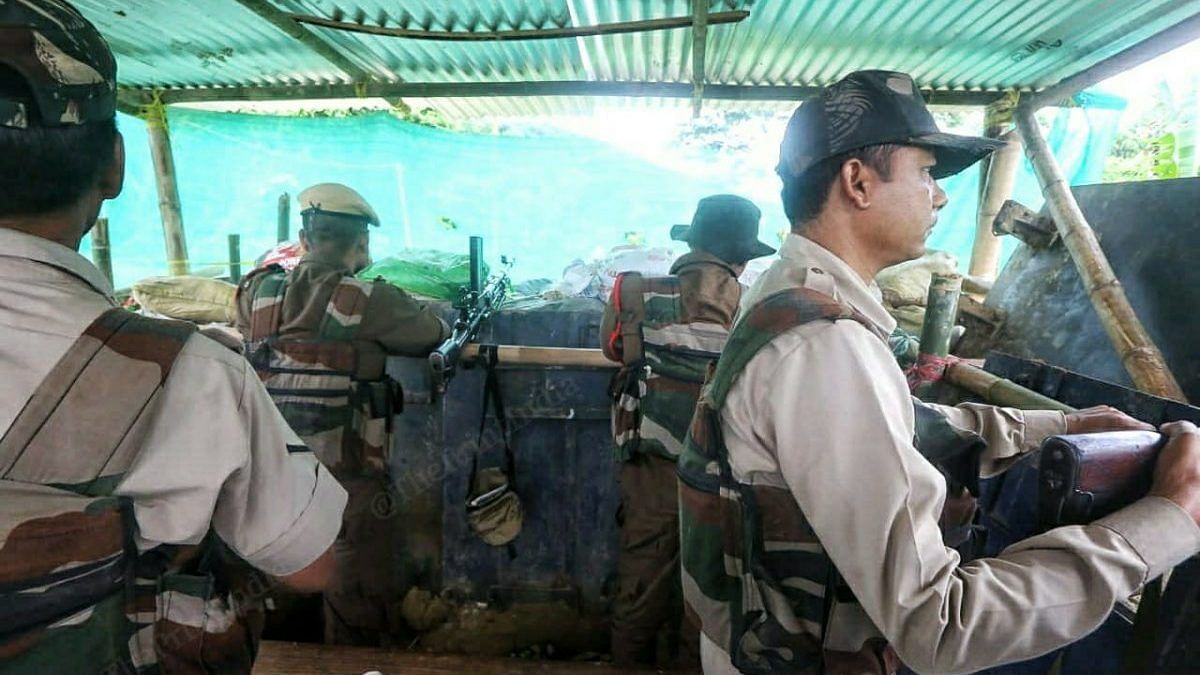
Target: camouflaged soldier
(815, 493)
(666, 331)
(147, 481)
(319, 338)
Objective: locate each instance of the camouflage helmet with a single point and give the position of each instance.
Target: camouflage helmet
(61, 57)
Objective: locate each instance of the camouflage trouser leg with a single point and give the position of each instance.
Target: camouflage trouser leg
(362, 601)
(650, 596)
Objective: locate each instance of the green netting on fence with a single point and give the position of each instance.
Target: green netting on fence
(542, 199)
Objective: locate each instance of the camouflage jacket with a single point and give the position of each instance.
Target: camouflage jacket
(318, 337)
(666, 331)
(756, 578)
(76, 596)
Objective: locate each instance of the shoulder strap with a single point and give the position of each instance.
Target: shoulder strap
(344, 313)
(631, 312)
(72, 430)
(767, 320)
(266, 306)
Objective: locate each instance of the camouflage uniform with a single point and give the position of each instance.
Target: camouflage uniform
(684, 321)
(319, 338)
(124, 476)
(131, 520)
(760, 583)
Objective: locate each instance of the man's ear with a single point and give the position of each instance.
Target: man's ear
(855, 181)
(303, 240)
(113, 179)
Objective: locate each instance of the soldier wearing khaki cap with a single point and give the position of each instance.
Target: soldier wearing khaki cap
(146, 473)
(825, 513)
(319, 338)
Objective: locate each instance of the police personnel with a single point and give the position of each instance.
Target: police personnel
(147, 477)
(811, 506)
(670, 329)
(320, 339)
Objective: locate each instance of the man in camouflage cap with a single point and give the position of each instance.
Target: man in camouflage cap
(670, 329)
(818, 498)
(146, 472)
(320, 338)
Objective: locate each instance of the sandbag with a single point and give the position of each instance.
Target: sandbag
(908, 282)
(197, 299)
(432, 274)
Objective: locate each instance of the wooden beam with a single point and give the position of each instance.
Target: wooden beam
(1137, 351)
(544, 357)
(168, 189)
(700, 20)
(385, 90)
(1158, 44)
(615, 28)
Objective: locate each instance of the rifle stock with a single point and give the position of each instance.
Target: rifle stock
(1082, 477)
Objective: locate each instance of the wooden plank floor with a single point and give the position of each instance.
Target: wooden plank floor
(293, 658)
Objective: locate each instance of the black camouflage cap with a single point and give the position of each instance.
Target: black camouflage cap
(725, 226)
(872, 107)
(61, 57)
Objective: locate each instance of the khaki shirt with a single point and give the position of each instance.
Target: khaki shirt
(216, 454)
(393, 322)
(874, 501)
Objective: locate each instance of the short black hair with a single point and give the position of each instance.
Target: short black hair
(43, 169)
(333, 232)
(805, 195)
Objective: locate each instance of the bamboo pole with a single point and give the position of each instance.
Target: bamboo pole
(283, 225)
(389, 90)
(615, 28)
(101, 253)
(552, 357)
(999, 391)
(699, 47)
(941, 308)
(168, 189)
(235, 258)
(998, 187)
(1137, 351)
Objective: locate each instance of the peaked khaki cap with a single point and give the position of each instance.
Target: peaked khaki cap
(337, 198)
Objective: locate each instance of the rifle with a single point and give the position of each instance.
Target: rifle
(1082, 477)
(475, 304)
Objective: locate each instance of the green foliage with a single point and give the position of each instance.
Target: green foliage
(1157, 145)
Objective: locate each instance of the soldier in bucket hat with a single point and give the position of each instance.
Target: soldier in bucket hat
(319, 338)
(823, 510)
(666, 331)
(147, 481)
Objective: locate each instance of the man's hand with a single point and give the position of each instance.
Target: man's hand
(1177, 473)
(1103, 418)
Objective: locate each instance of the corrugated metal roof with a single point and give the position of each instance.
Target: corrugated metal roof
(971, 45)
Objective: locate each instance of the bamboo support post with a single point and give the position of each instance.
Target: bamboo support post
(235, 258)
(168, 189)
(101, 253)
(941, 309)
(998, 187)
(1137, 351)
(700, 21)
(999, 391)
(283, 221)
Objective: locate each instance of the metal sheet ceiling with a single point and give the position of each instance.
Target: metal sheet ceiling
(974, 45)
